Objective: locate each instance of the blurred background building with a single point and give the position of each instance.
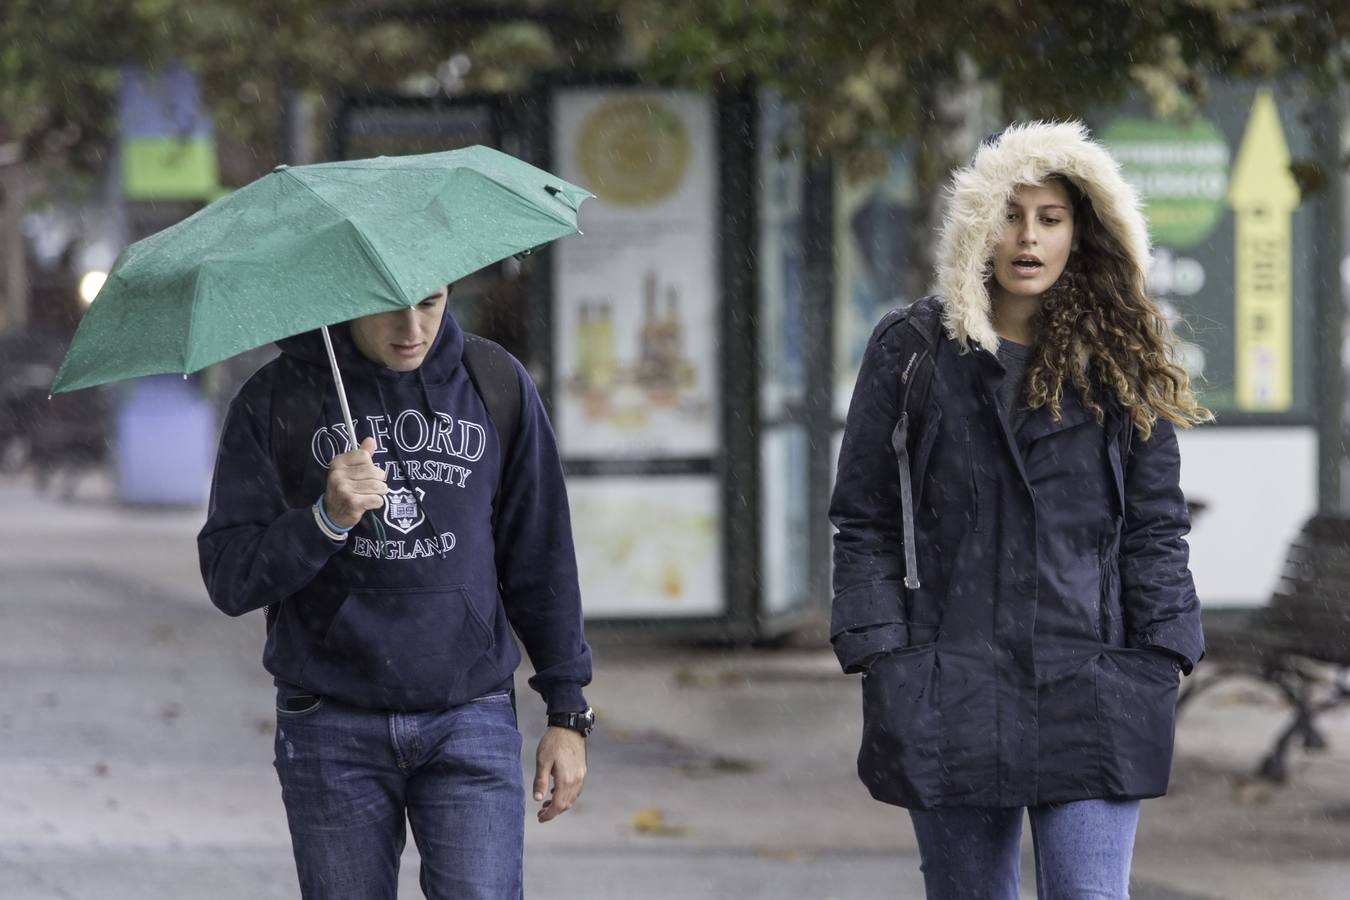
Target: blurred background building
(767, 176)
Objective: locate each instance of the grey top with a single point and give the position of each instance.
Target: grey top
(1015, 358)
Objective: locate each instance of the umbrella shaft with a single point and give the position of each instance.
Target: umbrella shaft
(342, 392)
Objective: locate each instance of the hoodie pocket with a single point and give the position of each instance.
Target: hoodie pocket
(410, 641)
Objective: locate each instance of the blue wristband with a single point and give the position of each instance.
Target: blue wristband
(329, 522)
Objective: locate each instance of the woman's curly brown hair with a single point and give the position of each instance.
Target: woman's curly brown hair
(1097, 320)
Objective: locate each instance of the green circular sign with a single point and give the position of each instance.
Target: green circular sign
(1181, 171)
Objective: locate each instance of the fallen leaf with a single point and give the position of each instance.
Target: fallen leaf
(650, 820)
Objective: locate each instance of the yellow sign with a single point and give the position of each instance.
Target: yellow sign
(1263, 194)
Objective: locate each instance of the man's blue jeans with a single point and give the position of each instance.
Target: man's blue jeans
(350, 776)
(1083, 850)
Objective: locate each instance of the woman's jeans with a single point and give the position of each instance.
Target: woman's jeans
(350, 776)
(1083, 851)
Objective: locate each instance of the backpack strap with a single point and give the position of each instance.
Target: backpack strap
(298, 390)
(493, 373)
(297, 402)
(918, 343)
(919, 335)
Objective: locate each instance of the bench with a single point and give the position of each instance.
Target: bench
(1292, 642)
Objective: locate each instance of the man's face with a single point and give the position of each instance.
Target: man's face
(400, 339)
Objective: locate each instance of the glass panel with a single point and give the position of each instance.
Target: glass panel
(876, 271)
(782, 375)
(783, 510)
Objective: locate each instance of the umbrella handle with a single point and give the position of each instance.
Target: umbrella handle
(377, 527)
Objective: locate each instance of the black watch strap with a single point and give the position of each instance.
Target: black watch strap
(580, 722)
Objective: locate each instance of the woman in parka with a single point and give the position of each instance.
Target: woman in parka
(1028, 655)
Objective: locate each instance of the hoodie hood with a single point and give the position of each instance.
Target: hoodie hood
(1025, 153)
(439, 364)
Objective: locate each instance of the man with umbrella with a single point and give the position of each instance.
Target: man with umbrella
(393, 658)
(397, 552)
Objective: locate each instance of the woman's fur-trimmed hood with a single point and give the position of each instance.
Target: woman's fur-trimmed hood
(979, 193)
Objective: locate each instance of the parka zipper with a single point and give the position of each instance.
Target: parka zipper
(977, 518)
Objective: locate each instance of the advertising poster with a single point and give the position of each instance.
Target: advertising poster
(1233, 241)
(636, 299)
(168, 151)
(635, 315)
(647, 546)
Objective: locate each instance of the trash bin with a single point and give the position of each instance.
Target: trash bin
(166, 434)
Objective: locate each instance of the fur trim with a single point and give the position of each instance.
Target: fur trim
(979, 193)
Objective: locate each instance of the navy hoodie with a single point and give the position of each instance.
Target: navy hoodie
(424, 619)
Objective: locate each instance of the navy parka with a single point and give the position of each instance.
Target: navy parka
(1035, 662)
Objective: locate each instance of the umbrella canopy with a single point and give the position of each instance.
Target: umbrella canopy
(310, 246)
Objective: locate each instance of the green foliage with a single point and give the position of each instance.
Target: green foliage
(60, 60)
(504, 58)
(59, 65)
(869, 70)
(862, 71)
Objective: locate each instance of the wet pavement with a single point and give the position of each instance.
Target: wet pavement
(136, 748)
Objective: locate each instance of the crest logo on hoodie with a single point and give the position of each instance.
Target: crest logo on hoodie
(403, 510)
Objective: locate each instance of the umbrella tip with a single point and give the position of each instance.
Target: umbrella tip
(555, 191)
(281, 168)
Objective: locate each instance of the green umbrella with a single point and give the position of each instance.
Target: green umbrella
(305, 247)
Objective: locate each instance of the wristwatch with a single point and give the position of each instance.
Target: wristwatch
(580, 722)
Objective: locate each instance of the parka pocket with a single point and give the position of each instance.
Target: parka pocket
(411, 641)
(1136, 710)
(899, 757)
(1111, 626)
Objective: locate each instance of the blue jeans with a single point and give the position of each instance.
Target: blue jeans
(350, 776)
(1083, 851)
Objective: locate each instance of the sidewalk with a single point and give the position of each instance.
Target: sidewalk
(136, 730)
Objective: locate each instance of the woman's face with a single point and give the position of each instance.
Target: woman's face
(1036, 242)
